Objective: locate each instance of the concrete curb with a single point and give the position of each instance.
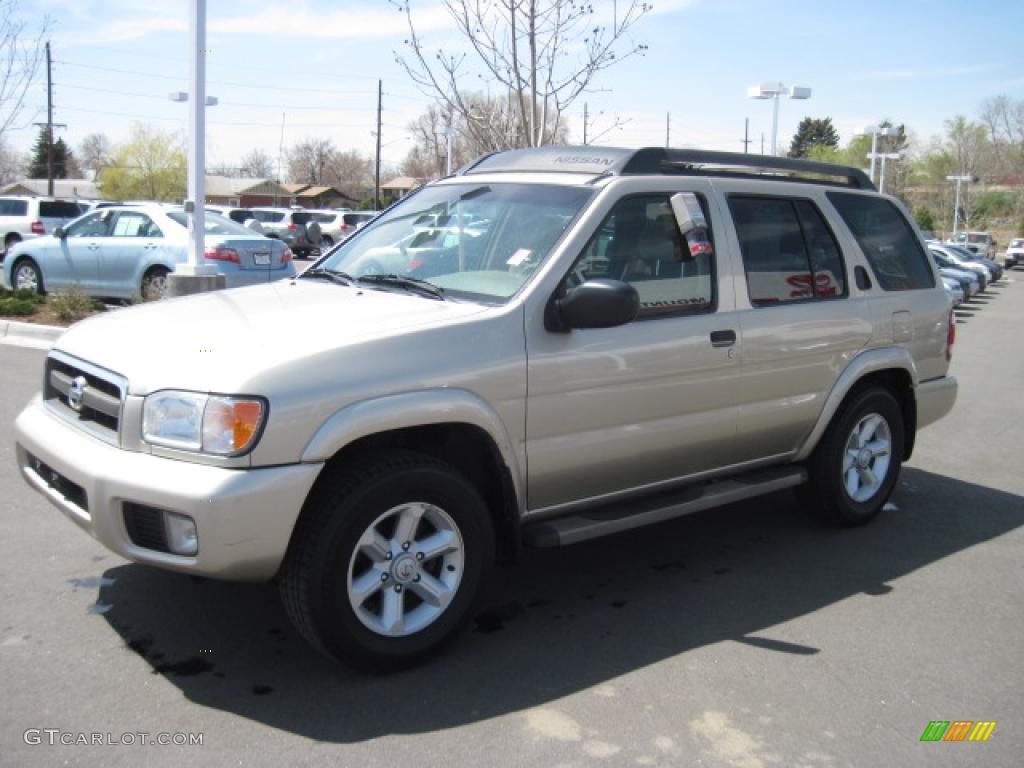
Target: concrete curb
(29, 334)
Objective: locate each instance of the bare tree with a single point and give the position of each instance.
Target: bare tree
(256, 164)
(1004, 121)
(12, 164)
(308, 160)
(542, 54)
(94, 152)
(21, 53)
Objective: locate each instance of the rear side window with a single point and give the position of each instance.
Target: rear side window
(789, 253)
(887, 240)
(58, 210)
(13, 207)
(268, 216)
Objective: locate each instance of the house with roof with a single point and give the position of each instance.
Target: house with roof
(68, 189)
(245, 193)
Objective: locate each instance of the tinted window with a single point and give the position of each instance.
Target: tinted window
(789, 253)
(887, 240)
(58, 210)
(268, 216)
(639, 242)
(13, 207)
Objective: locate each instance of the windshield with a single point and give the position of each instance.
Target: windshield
(215, 224)
(480, 242)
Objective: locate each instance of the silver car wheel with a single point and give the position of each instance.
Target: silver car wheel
(866, 457)
(406, 569)
(26, 277)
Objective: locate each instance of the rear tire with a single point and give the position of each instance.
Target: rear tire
(388, 561)
(26, 276)
(855, 467)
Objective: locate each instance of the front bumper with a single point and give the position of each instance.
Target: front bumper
(935, 398)
(244, 517)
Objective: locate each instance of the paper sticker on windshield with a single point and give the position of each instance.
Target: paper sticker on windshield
(518, 257)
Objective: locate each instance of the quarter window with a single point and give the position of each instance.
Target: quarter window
(639, 242)
(789, 253)
(13, 207)
(887, 240)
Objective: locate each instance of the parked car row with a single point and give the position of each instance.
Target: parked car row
(964, 273)
(305, 231)
(124, 252)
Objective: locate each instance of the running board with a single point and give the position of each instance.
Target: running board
(613, 518)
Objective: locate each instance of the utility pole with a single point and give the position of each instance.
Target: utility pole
(668, 129)
(762, 142)
(376, 189)
(746, 135)
(586, 116)
(49, 124)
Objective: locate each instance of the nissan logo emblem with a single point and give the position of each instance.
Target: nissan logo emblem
(78, 385)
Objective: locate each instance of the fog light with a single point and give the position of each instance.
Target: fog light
(182, 538)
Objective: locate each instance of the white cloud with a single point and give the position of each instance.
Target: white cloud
(914, 74)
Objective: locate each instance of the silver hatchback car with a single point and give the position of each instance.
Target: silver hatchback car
(595, 339)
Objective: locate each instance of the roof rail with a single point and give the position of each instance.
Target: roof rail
(704, 162)
(602, 161)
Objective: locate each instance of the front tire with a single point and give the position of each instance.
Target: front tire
(388, 561)
(26, 276)
(855, 467)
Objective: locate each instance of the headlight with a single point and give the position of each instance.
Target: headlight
(190, 421)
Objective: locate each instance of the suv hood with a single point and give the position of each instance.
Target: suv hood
(217, 341)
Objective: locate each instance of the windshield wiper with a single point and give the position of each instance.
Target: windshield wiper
(334, 275)
(425, 287)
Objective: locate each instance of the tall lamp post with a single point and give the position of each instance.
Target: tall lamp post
(774, 91)
(956, 205)
(195, 275)
(876, 131)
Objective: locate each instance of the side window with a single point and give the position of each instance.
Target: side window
(887, 240)
(789, 254)
(13, 207)
(130, 224)
(640, 242)
(95, 225)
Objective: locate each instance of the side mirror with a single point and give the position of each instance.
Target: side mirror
(60, 233)
(598, 303)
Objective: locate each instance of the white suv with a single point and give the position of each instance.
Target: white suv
(22, 218)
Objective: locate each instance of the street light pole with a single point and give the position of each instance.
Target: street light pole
(195, 275)
(774, 91)
(956, 205)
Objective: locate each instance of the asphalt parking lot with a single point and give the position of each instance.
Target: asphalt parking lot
(746, 637)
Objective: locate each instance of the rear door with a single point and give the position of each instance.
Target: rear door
(135, 240)
(801, 326)
(645, 404)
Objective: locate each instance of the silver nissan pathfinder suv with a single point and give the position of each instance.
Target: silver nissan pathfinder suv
(551, 345)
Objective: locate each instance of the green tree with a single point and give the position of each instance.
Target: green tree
(924, 219)
(813, 131)
(151, 165)
(63, 161)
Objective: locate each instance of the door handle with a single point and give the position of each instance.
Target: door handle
(723, 338)
(93, 246)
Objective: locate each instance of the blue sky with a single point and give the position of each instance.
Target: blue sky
(317, 62)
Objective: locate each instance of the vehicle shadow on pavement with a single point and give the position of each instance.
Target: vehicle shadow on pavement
(558, 622)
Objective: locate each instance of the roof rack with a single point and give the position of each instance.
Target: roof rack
(616, 161)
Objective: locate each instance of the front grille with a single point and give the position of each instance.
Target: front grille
(85, 395)
(145, 526)
(72, 492)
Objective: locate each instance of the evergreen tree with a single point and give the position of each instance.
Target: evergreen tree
(813, 131)
(62, 158)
